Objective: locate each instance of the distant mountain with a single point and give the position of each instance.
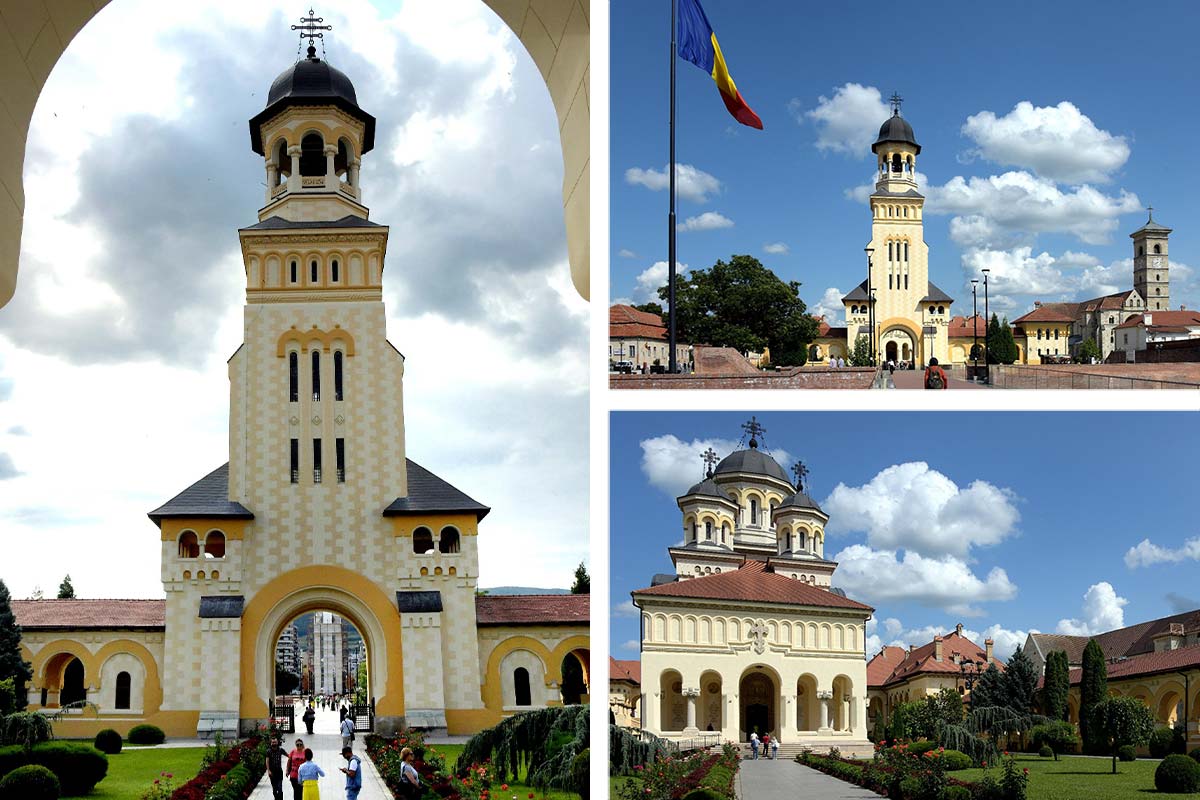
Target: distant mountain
(521, 590)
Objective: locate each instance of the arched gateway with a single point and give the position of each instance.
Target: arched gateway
(318, 507)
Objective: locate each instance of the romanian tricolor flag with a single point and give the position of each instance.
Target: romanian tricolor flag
(698, 44)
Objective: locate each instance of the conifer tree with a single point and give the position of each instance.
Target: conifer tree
(11, 663)
(989, 690)
(1020, 681)
(583, 582)
(1057, 685)
(65, 590)
(1093, 688)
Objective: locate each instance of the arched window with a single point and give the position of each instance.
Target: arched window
(312, 155)
(897, 163)
(73, 690)
(422, 540)
(283, 162)
(1039, 330)
(906, 246)
(337, 375)
(448, 542)
(316, 375)
(521, 686)
(1141, 250)
(941, 309)
(787, 541)
(725, 533)
(189, 546)
(295, 269)
(1158, 248)
(314, 274)
(1056, 333)
(708, 530)
(753, 511)
(341, 161)
(214, 545)
(803, 540)
(890, 252)
(122, 695)
(333, 271)
(293, 377)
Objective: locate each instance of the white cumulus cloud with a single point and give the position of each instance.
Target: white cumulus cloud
(914, 507)
(652, 278)
(830, 307)
(894, 633)
(849, 121)
(944, 582)
(691, 183)
(1103, 610)
(1057, 142)
(1146, 554)
(674, 465)
(776, 248)
(708, 221)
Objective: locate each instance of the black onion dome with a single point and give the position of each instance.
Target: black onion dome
(896, 129)
(706, 488)
(754, 462)
(311, 82)
(798, 500)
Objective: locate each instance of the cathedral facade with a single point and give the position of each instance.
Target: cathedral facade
(748, 634)
(319, 507)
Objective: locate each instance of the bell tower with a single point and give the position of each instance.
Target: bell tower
(1151, 276)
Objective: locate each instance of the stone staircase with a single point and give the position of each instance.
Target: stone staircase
(850, 748)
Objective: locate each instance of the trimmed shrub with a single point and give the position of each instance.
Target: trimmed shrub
(146, 734)
(30, 782)
(1046, 751)
(108, 741)
(954, 760)
(1126, 753)
(956, 793)
(25, 728)
(922, 746)
(1160, 742)
(79, 767)
(1177, 774)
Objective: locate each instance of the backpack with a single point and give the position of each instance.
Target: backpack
(935, 380)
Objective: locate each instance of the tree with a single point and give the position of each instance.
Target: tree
(1002, 347)
(1059, 736)
(651, 308)
(1020, 682)
(11, 663)
(743, 305)
(1057, 685)
(938, 710)
(1089, 350)
(860, 356)
(1118, 721)
(65, 590)
(1093, 688)
(285, 681)
(583, 583)
(360, 684)
(989, 690)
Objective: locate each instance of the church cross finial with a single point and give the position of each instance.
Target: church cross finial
(801, 472)
(755, 429)
(1150, 210)
(709, 457)
(310, 28)
(896, 101)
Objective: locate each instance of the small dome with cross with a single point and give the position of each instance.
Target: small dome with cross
(896, 129)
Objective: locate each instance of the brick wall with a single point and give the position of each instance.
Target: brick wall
(1170, 352)
(795, 378)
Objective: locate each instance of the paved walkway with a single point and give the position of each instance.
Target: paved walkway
(762, 779)
(326, 744)
(915, 379)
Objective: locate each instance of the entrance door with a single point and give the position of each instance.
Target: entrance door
(891, 352)
(758, 719)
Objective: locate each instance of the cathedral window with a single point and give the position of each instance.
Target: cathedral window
(906, 249)
(889, 280)
(214, 545)
(423, 541)
(313, 273)
(294, 461)
(725, 533)
(316, 376)
(787, 541)
(295, 268)
(340, 453)
(333, 271)
(316, 460)
(337, 375)
(293, 377)
(708, 530)
(521, 686)
(283, 162)
(1056, 333)
(121, 701)
(890, 257)
(905, 280)
(312, 155)
(448, 542)
(753, 511)
(803, 540)
(1158, 248)
(189, 547)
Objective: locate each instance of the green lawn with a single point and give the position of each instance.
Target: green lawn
(518, 790)
(131, 771)
(1074, 777)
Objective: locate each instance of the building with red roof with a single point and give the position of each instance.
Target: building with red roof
(624, 693)
(640, 338)
(748, 633)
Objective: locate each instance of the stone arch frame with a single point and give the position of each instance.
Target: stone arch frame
(843, 713)
(710, 708)
(323, 588)
(192, 544)
(555, 35)
(152, 693)
(314, 335)
(537, 682)
(774, 710)
(51, 662)
(671, 705)
(689, 528)
(807, 710)
(1163, 708)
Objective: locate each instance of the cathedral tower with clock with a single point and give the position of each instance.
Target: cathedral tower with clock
(1151, 276)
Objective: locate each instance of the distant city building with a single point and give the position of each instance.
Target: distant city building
(287, 651)
(640, 337)
(625, 692)
(1144, 331)
(328, 659)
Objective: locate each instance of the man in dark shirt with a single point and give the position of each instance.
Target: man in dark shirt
(275, 759)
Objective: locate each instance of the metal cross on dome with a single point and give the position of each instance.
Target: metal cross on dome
(896, 101)
(311, 28)
(755, 429)
(709, 457)
(801, 472)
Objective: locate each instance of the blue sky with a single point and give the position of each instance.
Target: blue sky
(1049, 190)
(1006, 522)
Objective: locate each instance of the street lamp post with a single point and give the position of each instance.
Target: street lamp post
(987, 350)
(969, 670)
(975, 329)
(870, 251)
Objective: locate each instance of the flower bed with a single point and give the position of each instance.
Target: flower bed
(430, 765)
(232, 773)
(901, 773)
(672, 778)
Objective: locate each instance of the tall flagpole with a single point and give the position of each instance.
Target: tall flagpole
(671, 217)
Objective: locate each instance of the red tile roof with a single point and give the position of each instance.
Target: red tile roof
(630, 671)
(1049, 312)
(532, 609)
(883, 664)
(1110, 302)
(961, 326)
(824, 329)
(1164, 319)
(1120, 643)
(629, 323)
(101, 614)
(923, 659)
(753, 583)
(621, 313)
(1148, 664)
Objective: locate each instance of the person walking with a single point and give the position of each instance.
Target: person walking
(754, 744)
(775, 748)
(275, 770)
(309, 774)
(295, 759)
(347, 731)
(353, 773)
(766, 745)
(410, 779)
(935, 376)
(309, 717)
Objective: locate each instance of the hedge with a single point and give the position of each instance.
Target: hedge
(78, 767)
(31, 782)
(146, 734)
(1126, 753)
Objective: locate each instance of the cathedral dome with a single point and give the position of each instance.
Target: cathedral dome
(896, 129)
(754, 462)
(706, 488)
(311, 82)
(798, 500)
